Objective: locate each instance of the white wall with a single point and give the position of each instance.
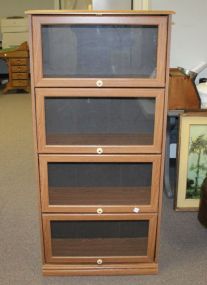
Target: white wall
(112, 5)
(17, 7)
(189, 39)
(11, 8)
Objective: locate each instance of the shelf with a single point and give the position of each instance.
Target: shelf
(99, 139)
(127, 75)
(99, 195)
(100, 247)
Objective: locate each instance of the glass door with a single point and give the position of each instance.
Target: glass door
(99, 184)
(99, 240)
(102, 51)
(99, 120)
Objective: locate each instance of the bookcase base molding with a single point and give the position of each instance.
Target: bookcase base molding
(81, 270)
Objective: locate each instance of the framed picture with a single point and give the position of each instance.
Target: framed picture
(192, 160)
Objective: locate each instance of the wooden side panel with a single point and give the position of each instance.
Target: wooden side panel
(31, 44)
(163, 138)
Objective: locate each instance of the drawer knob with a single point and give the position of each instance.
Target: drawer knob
(99, 211)
(99, 150)
(99, 261)
(99, 83)
(136, 210)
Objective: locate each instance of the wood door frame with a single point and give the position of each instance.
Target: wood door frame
(95, 217)
(43, 170)
(41, 93)
(158, 81)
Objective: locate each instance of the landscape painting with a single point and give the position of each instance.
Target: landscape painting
(192, 160)
(197, 160)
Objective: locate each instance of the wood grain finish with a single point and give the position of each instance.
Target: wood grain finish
(158, 81)
(99, 247)
(124, 207)
(163, 139)
(126, 143)
(20, 83)
(99, 196)
(105, 269)
(20, 68)
(149, 249)
(17, 61)
(99, 139)
(99, 12)
(183, 94)
(34, 129)
(16, 53)
(20, 75)
(75, 207)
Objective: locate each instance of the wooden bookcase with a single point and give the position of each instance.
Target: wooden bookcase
(99, 92)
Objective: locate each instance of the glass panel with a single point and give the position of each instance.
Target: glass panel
(95, 238)
(99, 51)
(99, 121)
(99, 183)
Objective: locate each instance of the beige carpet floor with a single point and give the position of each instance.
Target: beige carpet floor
(183, 250)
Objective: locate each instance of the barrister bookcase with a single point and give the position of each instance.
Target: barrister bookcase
(99, 92)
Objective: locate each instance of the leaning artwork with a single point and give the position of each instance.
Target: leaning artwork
(192, 160)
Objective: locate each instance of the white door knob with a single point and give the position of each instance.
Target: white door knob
(99, 211)
(99, 83)
(99, 150)
(99, 261)
(136, 210)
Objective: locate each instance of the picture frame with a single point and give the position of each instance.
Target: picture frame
(192, 160)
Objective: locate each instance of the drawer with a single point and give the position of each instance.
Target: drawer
(100, 121)
(90, 51)
(19, 61)
(99, 184)
(94, 239)
(20, 83)
(17, 53)
(20, 68)
(20, 75)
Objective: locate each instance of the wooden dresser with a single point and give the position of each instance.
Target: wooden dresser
(18, 67)
(99, 91)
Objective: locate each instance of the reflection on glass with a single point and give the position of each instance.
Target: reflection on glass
(99, 51)
(99, 183)
(95, 238)
(99, 121)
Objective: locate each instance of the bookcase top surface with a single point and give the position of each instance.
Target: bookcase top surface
(92, 12)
